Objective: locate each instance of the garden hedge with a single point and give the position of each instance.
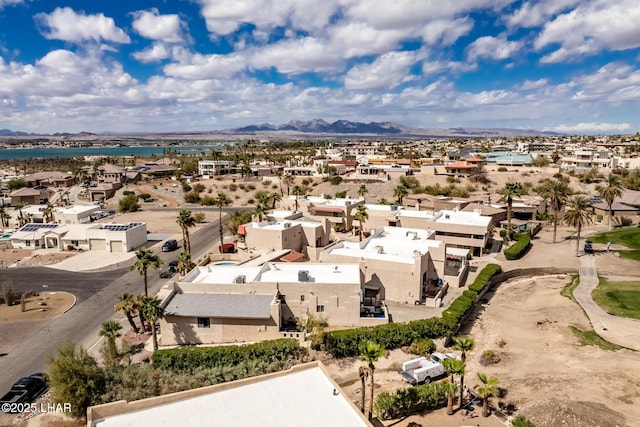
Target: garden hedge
(518, 249)
(405, 402)
(186, 359)
(345, 343)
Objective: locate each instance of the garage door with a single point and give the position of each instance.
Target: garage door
(117, 246)
(97, 245)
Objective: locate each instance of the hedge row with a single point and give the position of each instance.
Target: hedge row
(346, 343)
(189, 358)
(405, 402)
(518, 249)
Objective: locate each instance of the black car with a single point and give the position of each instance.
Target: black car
(588, 247)
(170, 245)
(169, 272)
(26, 389)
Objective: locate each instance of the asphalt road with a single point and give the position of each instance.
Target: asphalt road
(96, 292)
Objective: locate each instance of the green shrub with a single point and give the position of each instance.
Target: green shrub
(199, 217)
(521, 421)
(503, 232)
(207, 201)
(518, 249)
(198, 188)
(190, 359)
(502, 169)
(405, 402)
(129, 203)
(335, 180)
(144, 196)
(422, 346)
(341, 194)
(127, 192)
(186, 187)
(489, 357)
(192, 197)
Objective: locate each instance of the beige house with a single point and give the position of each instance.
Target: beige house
(304, 395)
(399, 264)
(50, 179)
(339, 212)
(331, 291)
(28, 196)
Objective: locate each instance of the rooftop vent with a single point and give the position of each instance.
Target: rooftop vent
(379, 249)
(303, 276)
(240, 279)
(287, 224)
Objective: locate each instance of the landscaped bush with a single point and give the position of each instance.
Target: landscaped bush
(518, 249)
(127, 192)
(199, 217)
(341, 194)
(144, 196)
(192, 197)
(207, 201)
(405, 402)
(191, 358)
(198, 188)
(502, 169)
(422, 346)
(345, 343)
(489, 357)
(335, 180)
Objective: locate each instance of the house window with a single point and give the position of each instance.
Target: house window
(301, 298)
(74, 242)
(204, 322)
(37, 243)
(320, 309)
(27, 243)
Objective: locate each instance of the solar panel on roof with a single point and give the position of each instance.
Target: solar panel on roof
(35, 227)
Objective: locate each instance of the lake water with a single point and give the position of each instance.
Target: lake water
(138, 151)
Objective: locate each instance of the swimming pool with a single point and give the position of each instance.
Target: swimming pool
(225, 264)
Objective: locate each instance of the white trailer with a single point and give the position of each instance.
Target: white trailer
(421, 370)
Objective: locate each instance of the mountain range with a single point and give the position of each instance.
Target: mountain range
(339, 127)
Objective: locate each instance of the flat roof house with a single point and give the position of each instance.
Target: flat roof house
(304, 395)
(398, 263)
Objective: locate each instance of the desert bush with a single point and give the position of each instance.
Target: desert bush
(489, 357)
(7, 292)
(199, 217)
(207, 201)
(422, 346)
(129, 203)
(307, 181)
(341, 194)
(192, 197)
(335, 180)
(233, 187)
(409, 182)
(198, 187)
(250, 187)
(186, 187)
(502, 169)
(144, 196)
(128, 192)
(521, 421)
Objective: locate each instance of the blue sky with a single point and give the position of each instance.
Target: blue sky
(195, 65)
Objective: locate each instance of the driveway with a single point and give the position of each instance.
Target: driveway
(618, 330)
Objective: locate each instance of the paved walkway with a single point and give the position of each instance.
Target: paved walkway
(618, 330)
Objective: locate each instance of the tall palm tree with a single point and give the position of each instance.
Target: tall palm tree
(556, 194)
(611, 190)
(362, 191)
(184, 263)
(370, 352)
(578, 214)
(279, 174)
(464, 344)
(450, 388)
(400, 192)
(127, 304)
(272, 199)
(511, 190)
(4, 218)
(488, 388)
(221, 201)
(146, 260)
(260, 211)
(47, 213)
(361, 215)
(186, 220)
(153, 311)
(297, 191)
(288, 180)
(110, 331)
(363, 372)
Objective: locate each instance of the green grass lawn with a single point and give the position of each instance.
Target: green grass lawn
(590, 337)
(618, 298)
(629, 237)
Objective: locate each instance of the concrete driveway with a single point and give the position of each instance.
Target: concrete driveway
(93, 260)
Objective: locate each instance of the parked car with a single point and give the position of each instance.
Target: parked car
(170, 245)
(588, 247)
(25, 390)
(169, 272)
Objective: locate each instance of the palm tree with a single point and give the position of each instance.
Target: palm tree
(370, 352)
(4, 217)
(260, 211)
(361, 215)
(455, 367)
(279, 174)
(400, 192)
(511, 190)
(272, 199)
(450, 389)
(609, 192)
(488, 388)
(146, 260)
(362, 191)
(110, 331)
(287, 180)
(555, 193)
(578, 214)
(221, 201)
(128, 305)
(363, 372)
(153, 311)
(186, 220)
(297, 191)
(464, 344)
(184, 263)
(47, 213)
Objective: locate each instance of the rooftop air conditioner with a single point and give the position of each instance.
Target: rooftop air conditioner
(303, 276)
(240, 279)
(287, 224)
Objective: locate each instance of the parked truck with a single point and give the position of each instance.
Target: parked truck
(421, 370)
(438, 357)
(25, 390)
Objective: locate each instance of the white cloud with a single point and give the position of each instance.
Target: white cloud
(492, 47)
(591, 27)
(386, 72)
(4, 3)
(536, 13)
(446, 31)
(200, 67)
(65, 24)
(164, 28)
(157, 52)
(298, 56)
(590, 128)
